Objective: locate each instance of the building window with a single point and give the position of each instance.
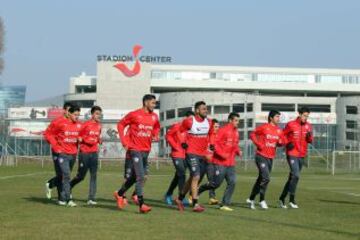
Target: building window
(221, 109)
(249, 107)
(209, 109)
(238, 107)
(85, 89)
(316, 108)
(241, 123)
(351, 136)
(265, 107)
(182, 111)
(250, 123)
(170, 114)
(161, 116)
(351, 110)
(241, 135)
(351, 124)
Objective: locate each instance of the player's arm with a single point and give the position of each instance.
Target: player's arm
(122, 124)
(171, 137)
(156, 131)
(50, 135)
(254, 136)
(219, 144)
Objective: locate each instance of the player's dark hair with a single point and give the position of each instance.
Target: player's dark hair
(198, 104)
(272, 114)
(74, 108)
(67, 105)
(95, 108)
(214, 120)
(148, 97)
(303, 110)
(233, 115)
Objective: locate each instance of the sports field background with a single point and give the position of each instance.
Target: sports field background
(329, 209)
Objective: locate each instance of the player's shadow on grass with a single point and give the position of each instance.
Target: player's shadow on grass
(339, 202)
(41, 200)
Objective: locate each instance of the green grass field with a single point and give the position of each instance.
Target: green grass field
(330, 209)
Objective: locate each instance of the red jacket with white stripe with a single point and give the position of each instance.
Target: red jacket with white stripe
(91, 136)
(143, 127)
(226, 146)
(64, 135)
(267, 138)
(49, 136)
(296, 133)
(174, 137)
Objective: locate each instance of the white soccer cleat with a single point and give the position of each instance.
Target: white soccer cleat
(61, 203)
(251, 204)
(91, 202)
(282, 204)
(263, 205)
(71, 203)
(48, 190)
(293, 205)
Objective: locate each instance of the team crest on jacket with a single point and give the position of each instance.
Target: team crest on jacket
(153, 118)
(78, 125)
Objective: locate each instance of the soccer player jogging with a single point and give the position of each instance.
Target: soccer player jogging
(298, 134)
(223, 160)
(210, 173)
(55, 181)
(199, 130)
(174, 137)
(89, 138)
(64, 138)
(143, 126)
(267, 137)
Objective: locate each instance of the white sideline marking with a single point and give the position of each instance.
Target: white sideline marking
(331, 188)
(22, 175)
(348, 193)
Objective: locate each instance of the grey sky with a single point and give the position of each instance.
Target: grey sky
(49, 41)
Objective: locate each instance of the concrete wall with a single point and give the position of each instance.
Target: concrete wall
(116, 91)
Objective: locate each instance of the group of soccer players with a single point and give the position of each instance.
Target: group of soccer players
(198, 144)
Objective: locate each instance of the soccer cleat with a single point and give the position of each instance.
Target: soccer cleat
(179, 204)
(135, 199)
(71, 203)
(185, 202)
(48, 190)
(61, 203)
(125, 200)
(91, 202)
(251, 204)
(263, 205)
(198, 208)
(213, 201)
(226, 209)
(282, 204)
(293, 205)
(119, 200)
(168, 200)
(190, 200)
(144, 209)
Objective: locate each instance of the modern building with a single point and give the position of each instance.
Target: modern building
(251, 91)
(11, 96)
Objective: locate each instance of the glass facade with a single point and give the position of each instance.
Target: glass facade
(258, 77)
(11, 96)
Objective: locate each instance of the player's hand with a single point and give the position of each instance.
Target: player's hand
(212, 147)
(308, 135)
(184, 145)
(80, 139)
(290, 146)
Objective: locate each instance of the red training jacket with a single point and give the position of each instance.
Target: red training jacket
(295, 133)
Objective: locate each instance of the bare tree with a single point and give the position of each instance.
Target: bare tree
(2, 33)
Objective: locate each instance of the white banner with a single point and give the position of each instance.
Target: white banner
(314, 118)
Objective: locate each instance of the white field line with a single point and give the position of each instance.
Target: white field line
(22, 175)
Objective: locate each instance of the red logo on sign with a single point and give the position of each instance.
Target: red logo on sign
(137, 67)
